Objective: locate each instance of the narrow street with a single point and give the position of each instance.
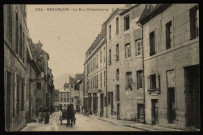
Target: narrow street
(83, 123)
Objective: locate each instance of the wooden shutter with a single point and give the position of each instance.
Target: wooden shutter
(148, 82)
(158, 83)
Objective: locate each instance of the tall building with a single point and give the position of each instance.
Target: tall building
(15, 52)
(171, 65)
(95, 75)
(125, 96)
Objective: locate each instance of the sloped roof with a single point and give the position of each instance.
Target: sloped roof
(150, 11)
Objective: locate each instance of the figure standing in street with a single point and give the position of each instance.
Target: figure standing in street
(40, 115)
(46, 121)
(70, 113)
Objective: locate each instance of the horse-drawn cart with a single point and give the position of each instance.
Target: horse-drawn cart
(63, 116)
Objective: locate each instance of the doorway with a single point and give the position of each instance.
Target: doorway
(171, 105)
(154, 111)
(118, 111)
(140, 113)
(8, 102)
(101, 105)
(192, 89)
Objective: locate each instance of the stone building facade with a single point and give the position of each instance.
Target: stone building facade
(95, 75)
(33, 79)
(171, 65)
(15, 50)
(124, 64)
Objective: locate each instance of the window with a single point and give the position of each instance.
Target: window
(104, 55)
(117, 93)
(117, 52)
(22, 94)
(129, 80)
(110, 97)
(68, 100)
(138, 47)
(168, 35)
(109, 32)
(97, 81)
(152, 43)
(97, 61)
(16, 30)
(117, 25)
(61, 99)
(104, 79)
(23, 47)
(64, 99)
(127, 51)
(153, 82)
(110, 57)
(9, 23)
(117, 74)
(21, 53)
(101, 56)
(18, 95)
(101, 79)
(139, 79)
(126, 22)
(194, 22)
(38, 85)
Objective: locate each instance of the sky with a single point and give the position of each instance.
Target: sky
(66, 35)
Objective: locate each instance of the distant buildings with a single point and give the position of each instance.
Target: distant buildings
(95, 75)
(148, 62)
(71, 93)
(25, 71)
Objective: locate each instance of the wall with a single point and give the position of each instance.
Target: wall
(184, 52)
(16, 66)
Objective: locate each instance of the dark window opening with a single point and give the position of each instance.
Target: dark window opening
(129, 81)
(168, 35)
(126, 22)
(152, 43)
(194, 22)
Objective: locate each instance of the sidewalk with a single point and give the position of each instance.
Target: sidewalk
(35, 126)
(133, 124)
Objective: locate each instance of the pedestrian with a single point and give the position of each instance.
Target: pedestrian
(40, 115)
(46, 118)
(70, 114)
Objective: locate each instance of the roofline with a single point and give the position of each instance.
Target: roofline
(154, 12)
(125, 11)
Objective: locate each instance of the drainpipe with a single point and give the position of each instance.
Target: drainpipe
(143, 69)
(106, 78)
(29, 109)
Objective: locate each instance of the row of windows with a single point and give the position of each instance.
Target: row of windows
(126, 25)
(64, 99)
(93, 83)
(64, 95)
(138, 50)
(93, 64)
(19, 33)
(194, 31)
(17, 100)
